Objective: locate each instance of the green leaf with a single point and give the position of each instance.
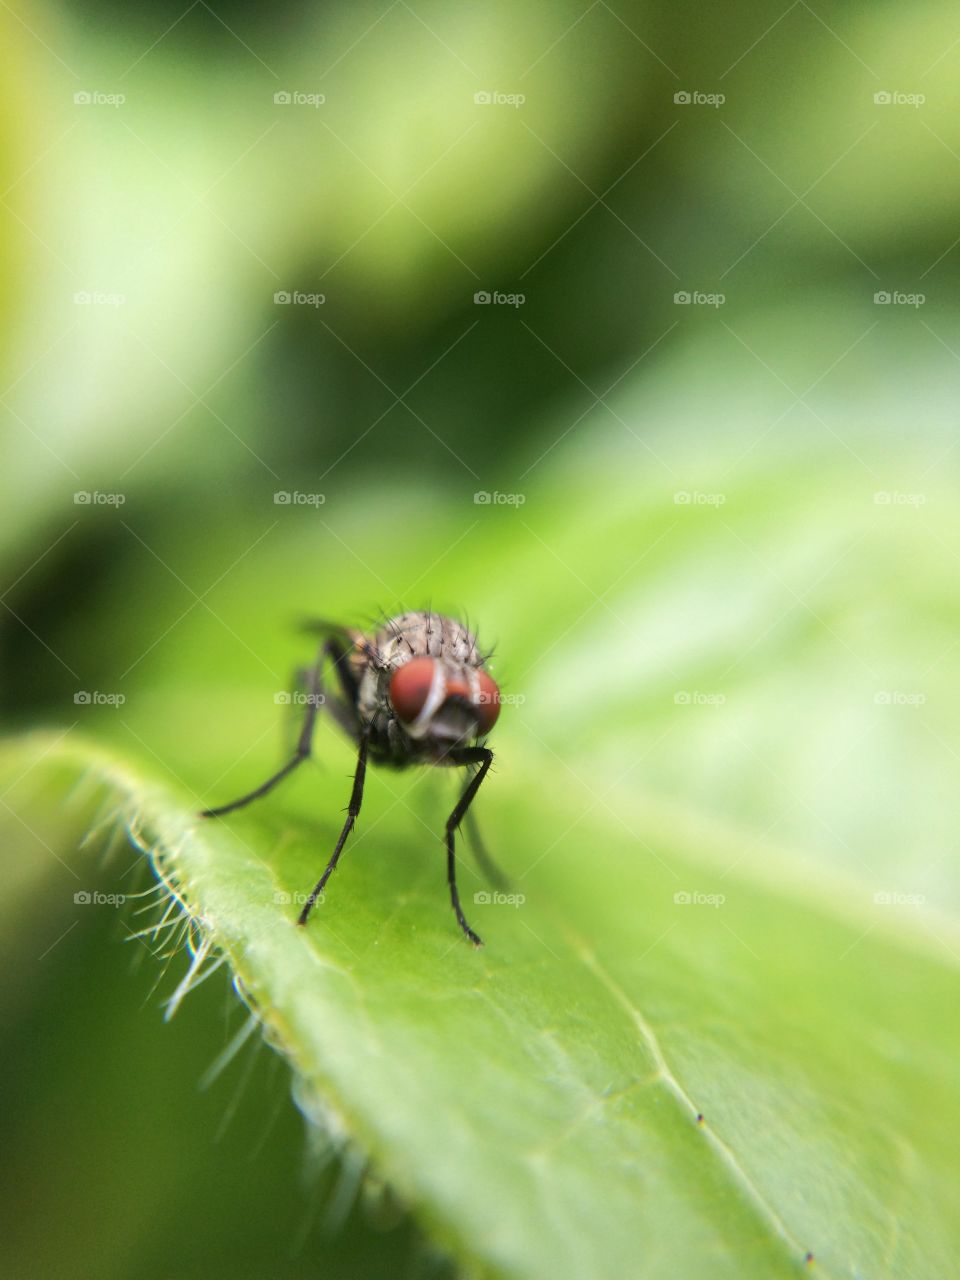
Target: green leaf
(538, 1102)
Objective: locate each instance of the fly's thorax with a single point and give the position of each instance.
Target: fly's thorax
(370, 704)
(426, 635)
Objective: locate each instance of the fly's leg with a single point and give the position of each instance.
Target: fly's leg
(483, 757)
(300, 686)
(353, 809)
(344, 708)
(314, 687)
(482, 854)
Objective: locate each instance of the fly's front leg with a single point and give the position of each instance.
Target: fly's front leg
(353, 810)
(314, 698)
(482, 756)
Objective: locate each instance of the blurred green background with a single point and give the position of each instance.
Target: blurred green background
(714, 398)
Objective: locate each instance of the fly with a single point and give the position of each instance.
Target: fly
(416, 691)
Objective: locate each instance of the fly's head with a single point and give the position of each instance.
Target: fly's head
(433, 682)
(442, 703)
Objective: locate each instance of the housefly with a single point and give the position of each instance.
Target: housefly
(415, 691)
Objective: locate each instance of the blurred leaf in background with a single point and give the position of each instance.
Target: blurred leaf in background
(712, 401)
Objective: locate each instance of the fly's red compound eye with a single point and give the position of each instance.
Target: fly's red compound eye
(410, 687)
(488, 707)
